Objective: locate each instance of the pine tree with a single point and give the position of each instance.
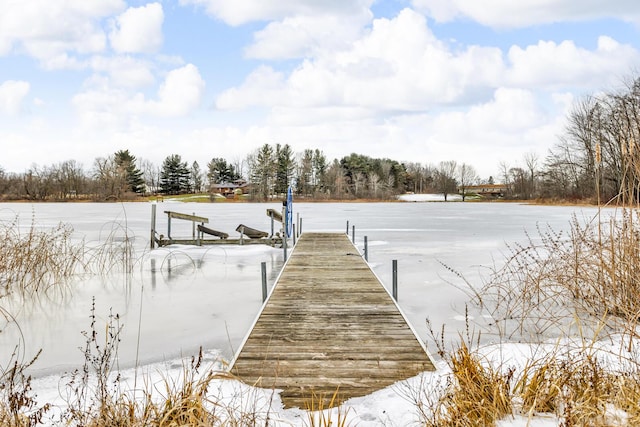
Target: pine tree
(175, 176)
(304, 180)
(220, 171)
(285, 166)
(127, 165)
(319, 170)
(262, 166)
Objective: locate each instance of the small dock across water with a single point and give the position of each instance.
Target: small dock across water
(329, 326)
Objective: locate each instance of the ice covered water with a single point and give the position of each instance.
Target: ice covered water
(179, 298)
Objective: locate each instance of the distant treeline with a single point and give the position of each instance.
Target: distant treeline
(597, 157)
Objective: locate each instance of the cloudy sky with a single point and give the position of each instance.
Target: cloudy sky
(481, 82)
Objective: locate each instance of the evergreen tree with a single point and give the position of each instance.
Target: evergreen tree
(175, 176)
(262, 168)
(320, 167)
(304, 182)
(219, 171)
(126, 163)
(285, 166)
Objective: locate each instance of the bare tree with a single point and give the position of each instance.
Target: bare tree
(109, 178)
(445, 179)
(151, 175)
(467, 176)
(531, 162)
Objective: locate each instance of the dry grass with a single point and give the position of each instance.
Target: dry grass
(321, 409)
(580, 286)
(578, 389)
(36, 261)
(477, 395)
(96, 396)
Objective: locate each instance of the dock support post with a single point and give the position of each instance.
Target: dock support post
(263, 267)
(347, 227)
(294, 234)
(272, 226)
(169, 227)
(366, 249)
(297, 222)
(395, 279)
(353, 234)
(153, 226)
(193, 228)
(300, 228)
(284, 244)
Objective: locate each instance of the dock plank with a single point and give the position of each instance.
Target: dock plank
(329, 326)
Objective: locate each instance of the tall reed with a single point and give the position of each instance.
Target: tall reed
(36, 260)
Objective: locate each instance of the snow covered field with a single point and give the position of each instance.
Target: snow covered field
(180, 298)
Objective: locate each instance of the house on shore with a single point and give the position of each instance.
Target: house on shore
(230, 189)
(486, 190)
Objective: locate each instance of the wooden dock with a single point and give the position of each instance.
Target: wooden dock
(328, 326)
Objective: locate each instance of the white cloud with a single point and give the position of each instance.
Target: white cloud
(124, 71)
(397, 65)
(400, 66)
(138, 29)
(523, 13)
(565, 64)
(12, 94)
(49, 30)
(306, 35)
(510, 112)
(106, 107)
(180, 94)
(239, 12)
(264, 86)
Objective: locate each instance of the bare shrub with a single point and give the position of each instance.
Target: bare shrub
(587, 274)
(92, 392)
(18, 404)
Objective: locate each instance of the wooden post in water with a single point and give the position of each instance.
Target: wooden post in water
(394, 269)
(153, 226)
(263, 267)
(294, 234)
(300, 228)
(272, 225)
(366, 249)
(353, 234)
(285, 224)
(193, 228)
(284, 244)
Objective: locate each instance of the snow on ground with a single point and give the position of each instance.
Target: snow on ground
(394, 406)
(429, 197)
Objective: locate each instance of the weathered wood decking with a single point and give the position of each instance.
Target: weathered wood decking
(328, 325)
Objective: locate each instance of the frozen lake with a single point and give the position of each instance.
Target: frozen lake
(180, 298)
